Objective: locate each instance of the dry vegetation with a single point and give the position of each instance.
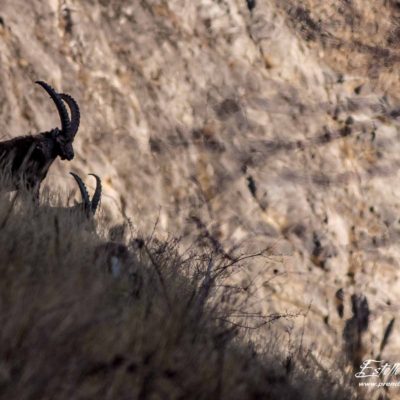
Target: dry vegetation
(167, 328)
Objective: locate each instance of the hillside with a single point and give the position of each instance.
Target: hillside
(160, 326)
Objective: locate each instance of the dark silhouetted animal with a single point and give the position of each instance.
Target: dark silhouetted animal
(88, 206)
(84, 210)
(27, 159)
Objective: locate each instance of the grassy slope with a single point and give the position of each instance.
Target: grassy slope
(69, 330)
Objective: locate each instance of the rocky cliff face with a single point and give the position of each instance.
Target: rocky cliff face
(267, 126)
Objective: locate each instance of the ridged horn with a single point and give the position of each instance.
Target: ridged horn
(83, 190)
(97, 194)
(62, 110)
(75, 114)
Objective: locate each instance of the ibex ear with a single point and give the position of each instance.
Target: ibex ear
(55, 133)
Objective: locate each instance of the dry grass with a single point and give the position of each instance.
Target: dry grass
(166, 329)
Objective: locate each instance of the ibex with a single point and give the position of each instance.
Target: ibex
(115, 253)
(28, 158)
(83, 211)
(87, 206)
(117, 256)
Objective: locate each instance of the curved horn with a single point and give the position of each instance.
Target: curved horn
(75, 114)
(97, 194)
(62, 110)
(83, 190)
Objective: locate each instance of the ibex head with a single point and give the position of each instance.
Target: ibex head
(69, 127)
(89, 206)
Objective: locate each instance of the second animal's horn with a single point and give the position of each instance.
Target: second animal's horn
(83, 190)
(97, 194)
